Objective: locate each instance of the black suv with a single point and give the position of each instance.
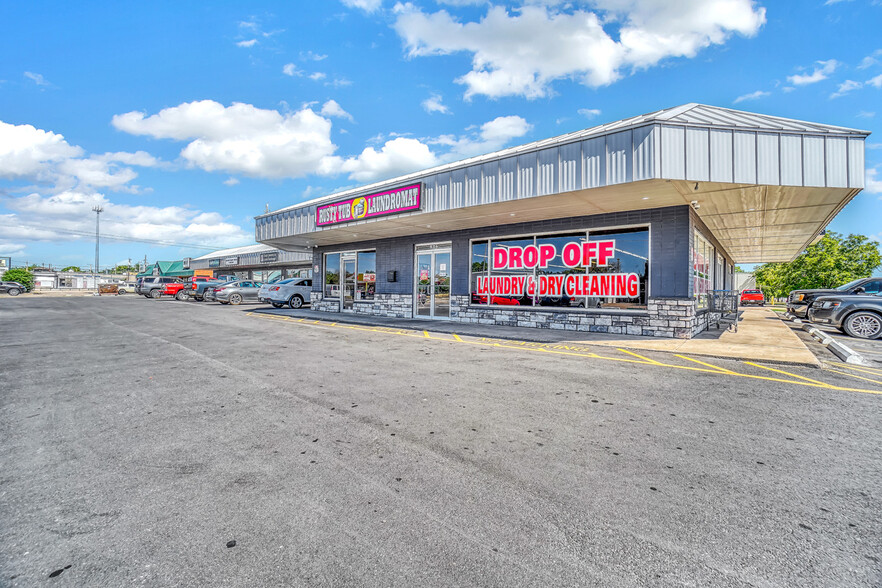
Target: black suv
(800, 301)
(859, 316)
(12, 288)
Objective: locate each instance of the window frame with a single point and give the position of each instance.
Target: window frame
(587, 232)
(348, 254)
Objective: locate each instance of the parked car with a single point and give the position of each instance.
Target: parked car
(859, 315)
(752, 297)
(294, 292)
(175, 289)
(127, 287)
(195, 287)
(800, 301)
(152, 286)
(236, 292)
(12, 288)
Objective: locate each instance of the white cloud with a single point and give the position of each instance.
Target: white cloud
(398, 156)
(491, 136)
(752, 96)
(10, 249)
(821, 72)
(36, 78)
(240, 138)
(870, 60)
(875, 82)
(434, 103)
(331, 108)
(846, 87)
(310, 56)
(68, 216)
(873, 183)
(28, 152)
(231, 181)
(247, 43)
(289, 69)
(866, 114)
(522, 52)
(316, 76)
(366, 5)
(589, 113)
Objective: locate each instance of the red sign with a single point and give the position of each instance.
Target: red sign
(381, 204)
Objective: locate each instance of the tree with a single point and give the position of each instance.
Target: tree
(20, 275)
(831, 262)
(72, 268)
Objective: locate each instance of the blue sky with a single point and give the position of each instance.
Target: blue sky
(183, 120)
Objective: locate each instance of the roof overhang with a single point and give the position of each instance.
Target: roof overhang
(753, 223)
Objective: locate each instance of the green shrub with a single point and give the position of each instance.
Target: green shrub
(20, 275)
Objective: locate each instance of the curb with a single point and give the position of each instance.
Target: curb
(840, 350)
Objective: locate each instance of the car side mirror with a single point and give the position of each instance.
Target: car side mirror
(860, 290)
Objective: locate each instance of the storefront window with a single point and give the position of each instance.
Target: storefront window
(562, 270)
(332, 275)
(702, 269)
(366, 275)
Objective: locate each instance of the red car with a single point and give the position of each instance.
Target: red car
(174, 289)
(752, 297)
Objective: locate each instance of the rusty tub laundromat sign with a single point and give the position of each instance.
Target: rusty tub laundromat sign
(395, 201)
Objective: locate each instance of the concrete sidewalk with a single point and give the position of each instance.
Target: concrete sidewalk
(762, 335)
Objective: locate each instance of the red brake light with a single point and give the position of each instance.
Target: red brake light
(274, 288)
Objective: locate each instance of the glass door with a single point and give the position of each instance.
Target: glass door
(348, 282)
(432, 284)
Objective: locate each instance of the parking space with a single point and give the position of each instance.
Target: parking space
(157, 433)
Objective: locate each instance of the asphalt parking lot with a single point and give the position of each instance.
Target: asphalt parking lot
(139, 438)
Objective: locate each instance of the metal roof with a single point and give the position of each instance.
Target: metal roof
(766, 185)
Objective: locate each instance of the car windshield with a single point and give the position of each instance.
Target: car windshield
(849, 285)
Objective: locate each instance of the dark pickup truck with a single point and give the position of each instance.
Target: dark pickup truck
(800, 301)
(195, 287)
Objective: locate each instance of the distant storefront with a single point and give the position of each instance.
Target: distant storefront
(253, 262)
(626, 228)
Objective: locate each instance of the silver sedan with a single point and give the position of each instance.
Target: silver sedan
(235, 292)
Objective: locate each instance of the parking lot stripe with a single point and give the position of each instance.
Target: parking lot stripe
(457, 337)
(542, 348)
(786, 373)
(719, 369)
(646, 359)
(854, 376)
(862, 369)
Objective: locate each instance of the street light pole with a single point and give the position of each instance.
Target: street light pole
(97, 210)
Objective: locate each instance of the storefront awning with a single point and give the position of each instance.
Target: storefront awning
(765, 186)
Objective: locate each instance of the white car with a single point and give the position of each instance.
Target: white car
(294, 292)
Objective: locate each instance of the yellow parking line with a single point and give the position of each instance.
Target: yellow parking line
(854, 376)
(862, 369)
(646, 359)
(457, 337)
(641, 360)
(787, 373)
(718, 368)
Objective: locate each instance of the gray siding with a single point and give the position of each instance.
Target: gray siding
(669, 273)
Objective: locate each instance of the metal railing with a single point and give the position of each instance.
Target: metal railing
(724, 305)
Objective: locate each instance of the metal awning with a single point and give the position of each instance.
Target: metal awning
(766, 186)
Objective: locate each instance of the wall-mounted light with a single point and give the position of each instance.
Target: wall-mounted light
(696, 187)
(695, 205)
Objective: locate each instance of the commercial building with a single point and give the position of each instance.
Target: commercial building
(253, 262)
(622, 228)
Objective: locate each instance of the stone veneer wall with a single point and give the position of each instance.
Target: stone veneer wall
(664, 317)
(391, 305)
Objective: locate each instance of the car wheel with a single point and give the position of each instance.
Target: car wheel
(864, 325)
(235, 299)
(155, 294)
(120, 291)
(181, 296)
(13, 291)
(277, 304)
(295, 301)
(223, 302)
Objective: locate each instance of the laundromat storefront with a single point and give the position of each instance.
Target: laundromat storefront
(623, 228)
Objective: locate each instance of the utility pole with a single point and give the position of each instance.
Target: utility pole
(97, 210)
